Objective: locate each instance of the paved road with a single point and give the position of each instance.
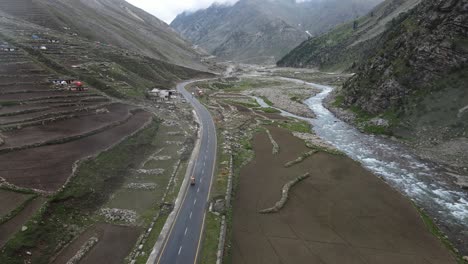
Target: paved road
(183, 241)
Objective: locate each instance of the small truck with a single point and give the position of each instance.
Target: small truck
(192, 180)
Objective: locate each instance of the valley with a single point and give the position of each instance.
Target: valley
(251, 131)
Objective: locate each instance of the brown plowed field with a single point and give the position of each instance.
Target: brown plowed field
(21, 79)
(65, 128)
(31, 95)
(115, 243)
(25, 87)
(10, 201)
(14, 68)
(48, 167)
(20, 117)
(16, 108)
(341, 214)
(16, 223)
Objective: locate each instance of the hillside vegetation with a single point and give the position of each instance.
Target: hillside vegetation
(344, 46)
(416, 81)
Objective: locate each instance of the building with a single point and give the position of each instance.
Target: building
(163, 95)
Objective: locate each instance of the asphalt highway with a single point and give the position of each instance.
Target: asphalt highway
(182, 244)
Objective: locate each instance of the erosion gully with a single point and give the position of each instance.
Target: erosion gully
(423, 182)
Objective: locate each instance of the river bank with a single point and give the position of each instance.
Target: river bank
(423, 182)
(239, 120)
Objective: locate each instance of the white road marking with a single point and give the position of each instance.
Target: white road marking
(186, 229)
(194, 201)
(201, 180)
(190, 216)
(180, 249)
(198, 190)
(203, 171)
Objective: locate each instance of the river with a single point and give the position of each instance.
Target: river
(421, 181)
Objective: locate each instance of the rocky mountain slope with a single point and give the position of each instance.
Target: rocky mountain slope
(113, 22)
(415, 81)
(344, 46)
(255, 31)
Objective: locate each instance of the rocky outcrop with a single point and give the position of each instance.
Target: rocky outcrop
(346, 45)
(276, 147)
(415, 81)
(422, 47)
(119, 215)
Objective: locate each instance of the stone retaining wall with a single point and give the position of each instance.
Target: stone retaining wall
(284, 195)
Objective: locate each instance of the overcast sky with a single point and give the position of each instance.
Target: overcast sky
(167, 10)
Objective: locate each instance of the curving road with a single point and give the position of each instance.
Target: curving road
(182, 244)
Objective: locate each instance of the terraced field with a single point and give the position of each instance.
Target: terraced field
(45, 130)
(83, 167)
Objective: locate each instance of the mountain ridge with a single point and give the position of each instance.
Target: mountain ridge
(114, 22)
(263, 31)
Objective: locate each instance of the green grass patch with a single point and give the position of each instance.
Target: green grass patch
(240, 158)
(211, 238)
(267, 101)
(74, 207)
(152, 238)
(18, 209)
(339, 100)
(434, 229)
(378, 130)
(270, 110)
(250, 104)
(296, 126)
(9, 103)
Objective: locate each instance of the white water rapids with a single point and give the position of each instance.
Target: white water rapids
(421, 181)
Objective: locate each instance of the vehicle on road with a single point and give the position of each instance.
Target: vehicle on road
(192, 180)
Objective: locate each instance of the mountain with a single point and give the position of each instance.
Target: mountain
(415, 79)
(101, 42)
(344, 46)
(264, 30)
(113, 22)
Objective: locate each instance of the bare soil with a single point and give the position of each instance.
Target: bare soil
(341, 214)
(115, 243)
(66, 128)
(48, 167)
(10, 201)
(17, 118)
(15, 224)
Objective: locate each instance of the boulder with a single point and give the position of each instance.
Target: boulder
(218, 206)
(379, 122)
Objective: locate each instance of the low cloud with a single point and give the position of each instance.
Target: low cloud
(167, 10)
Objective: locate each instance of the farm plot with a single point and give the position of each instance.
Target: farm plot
(112, 243)
(11, 201)
(16, 223)
(147, 185)
(340, 214)
(48, 167)
(83, 123)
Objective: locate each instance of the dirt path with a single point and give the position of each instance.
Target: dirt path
(341, 214)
